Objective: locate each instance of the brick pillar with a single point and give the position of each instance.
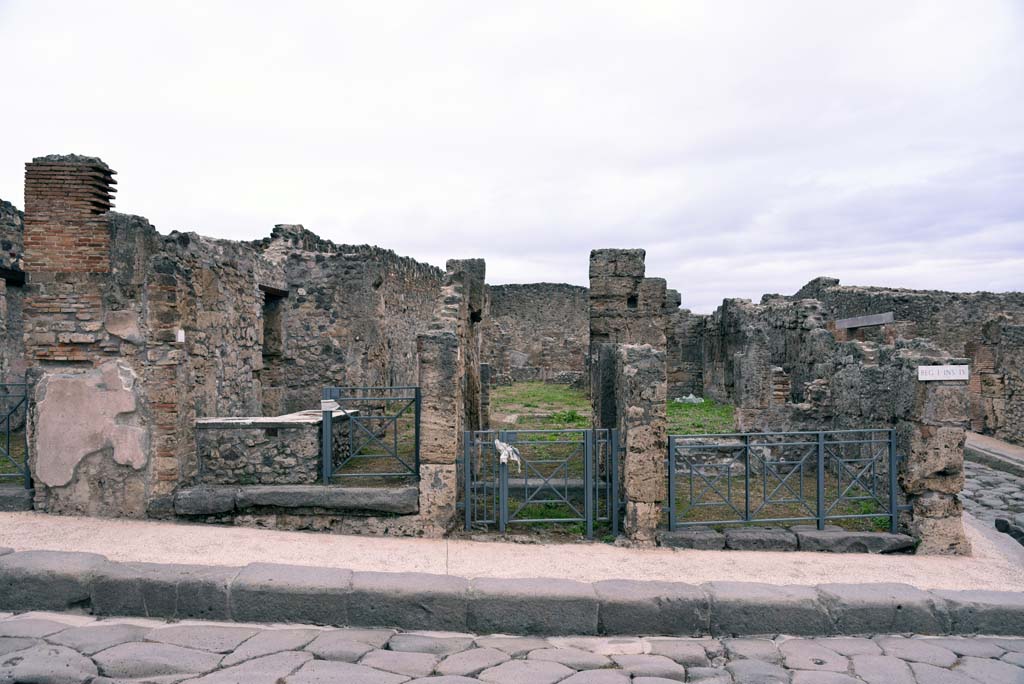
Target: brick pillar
(66, 203)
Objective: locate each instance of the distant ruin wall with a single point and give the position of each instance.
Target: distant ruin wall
(784, 371)
(952, 320)
(349, 318)
(12, 345)
(536, 332)
(997, 380)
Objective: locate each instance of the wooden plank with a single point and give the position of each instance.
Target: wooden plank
(865, 321)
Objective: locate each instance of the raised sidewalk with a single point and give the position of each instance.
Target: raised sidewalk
(486, 602)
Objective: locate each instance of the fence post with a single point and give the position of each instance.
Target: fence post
(671, 483)
(746, 479)
(326, 446)
(588, 478)
(821, 480)
(502, 489)
(613, 500)
(893, 484)
(467, 473)
(419, 406)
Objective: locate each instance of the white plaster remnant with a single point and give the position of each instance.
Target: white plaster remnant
(84, 413)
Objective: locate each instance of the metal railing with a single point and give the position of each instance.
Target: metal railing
(557, 477)
(13, 442)
(379, 436)
(783, 477)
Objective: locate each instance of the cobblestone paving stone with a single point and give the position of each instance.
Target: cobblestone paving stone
(989, 493)
(49, 648)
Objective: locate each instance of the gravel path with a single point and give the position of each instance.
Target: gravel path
(52, 647)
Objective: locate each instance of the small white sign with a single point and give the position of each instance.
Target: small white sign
(943, 373)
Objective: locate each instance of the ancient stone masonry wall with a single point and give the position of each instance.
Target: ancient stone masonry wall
(629, 317)
(449, 377)
(952, 320)
(997, 380)
(12, 346)
(350, 317)
(784, 370)
(685, 343)
(537, 332)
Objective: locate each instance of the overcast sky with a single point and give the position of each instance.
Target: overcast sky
(748, 146)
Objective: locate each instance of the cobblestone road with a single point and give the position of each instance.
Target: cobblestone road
(46, 647)
(989, 493)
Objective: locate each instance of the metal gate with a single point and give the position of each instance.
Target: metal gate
(13, 444)
(550, 477)
(783, 477)
(375, 434)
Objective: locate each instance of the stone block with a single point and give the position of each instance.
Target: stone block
(940, 536)
(532, 606)
(635, 607)
(882, 608)
(760, 539)
(617, 262)
(205, 500)
(398, 500)
(48, 580)
(641, 521)
(408, 600)
(845, 541)
(16, 499)
(703, 538)
(163, 590)
(751, 608)
(984, 612)
(270, 592)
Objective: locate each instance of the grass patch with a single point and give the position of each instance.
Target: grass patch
(16, 449)
(709, 417)
(539, 406)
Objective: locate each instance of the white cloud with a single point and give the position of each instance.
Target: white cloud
(747, 146)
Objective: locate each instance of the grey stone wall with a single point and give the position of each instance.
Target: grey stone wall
(12, 346)
(785, 370)
(630, 315)
(350, 318)
(538, 331)
(997, 380)
(259, 456)
(955, 321)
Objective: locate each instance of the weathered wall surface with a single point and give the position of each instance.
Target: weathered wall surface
(997, 380)
(630, 315)
(350, 317)
(538, 331)
(12, 346)
(202, 328)
(784, 370)
(953, 320)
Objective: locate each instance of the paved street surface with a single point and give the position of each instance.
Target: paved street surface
(989, 493)
(49, 647)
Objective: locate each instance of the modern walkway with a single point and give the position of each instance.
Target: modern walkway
(52, 647)
(997, 563)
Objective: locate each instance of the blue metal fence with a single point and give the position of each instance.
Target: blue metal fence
(555, 477)
(379, 435)
(783, 477)
(13, 444)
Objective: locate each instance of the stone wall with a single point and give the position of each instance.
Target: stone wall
(537, 332)
(953, 320)
(452, 392)
(629, 318)
(12, 346)
(125, 354)
(785, 371)
(997, 380)
(349, 318)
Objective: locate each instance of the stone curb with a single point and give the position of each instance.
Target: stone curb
(264, 592)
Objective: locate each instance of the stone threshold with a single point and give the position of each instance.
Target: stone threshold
(265, 592)
(832, 539)
(221, 499)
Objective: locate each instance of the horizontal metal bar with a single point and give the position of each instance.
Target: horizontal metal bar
(544, 520)
(763, 434)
